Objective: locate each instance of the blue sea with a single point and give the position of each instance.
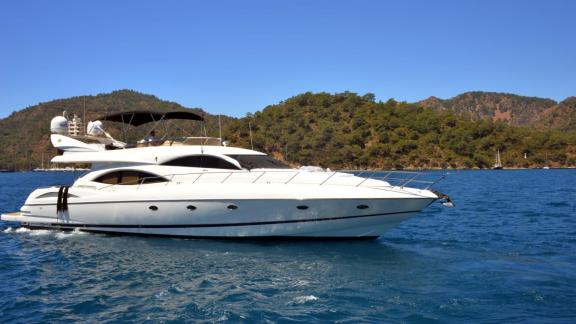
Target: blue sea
(506, 253)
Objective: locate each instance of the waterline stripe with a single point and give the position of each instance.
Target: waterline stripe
(226, 224)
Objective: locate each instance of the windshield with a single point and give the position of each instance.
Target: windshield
(201, 161)
(259, 162)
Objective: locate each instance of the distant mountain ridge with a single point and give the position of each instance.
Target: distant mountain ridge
(562, 116)
(351, 131)
(340, 130)
(513, 109)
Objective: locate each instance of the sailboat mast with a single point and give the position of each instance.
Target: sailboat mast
(498, 162)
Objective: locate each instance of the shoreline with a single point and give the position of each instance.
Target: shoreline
(359, 170)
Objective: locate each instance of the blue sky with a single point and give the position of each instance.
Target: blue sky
(235, 57)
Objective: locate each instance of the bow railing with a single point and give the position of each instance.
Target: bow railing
(354, 178)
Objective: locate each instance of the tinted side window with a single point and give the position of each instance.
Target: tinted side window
(129, 177)
(202, 161)
(110, 178)
(259, 162)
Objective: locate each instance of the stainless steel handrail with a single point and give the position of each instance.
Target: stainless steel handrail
(402, 181)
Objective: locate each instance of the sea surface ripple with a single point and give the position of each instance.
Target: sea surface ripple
(506, 253)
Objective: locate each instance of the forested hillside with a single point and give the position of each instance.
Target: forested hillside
(25, 134)
(346, 130)
(342, 130)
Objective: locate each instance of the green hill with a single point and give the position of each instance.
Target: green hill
(25, 134)
(346, 130)
(342, 130)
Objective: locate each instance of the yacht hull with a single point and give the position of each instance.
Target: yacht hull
(289, 218)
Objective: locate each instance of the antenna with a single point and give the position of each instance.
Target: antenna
(203, 127)
(84, 116)
(250, 128)
(220, 129)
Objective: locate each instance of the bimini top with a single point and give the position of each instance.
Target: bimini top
(137, 118)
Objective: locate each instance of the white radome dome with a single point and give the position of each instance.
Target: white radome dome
(59, 125)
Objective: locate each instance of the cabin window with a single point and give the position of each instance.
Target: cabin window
(129, 177)
(201, 161)
(259, 162)
(110, 178)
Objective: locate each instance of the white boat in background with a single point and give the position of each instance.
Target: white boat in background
(64, 169)
(197, 187)
(41, 168)
(498, 162)
(546, 166)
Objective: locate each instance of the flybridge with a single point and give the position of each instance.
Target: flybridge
(69, 137)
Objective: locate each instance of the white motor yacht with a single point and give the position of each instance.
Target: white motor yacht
(195, 187)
